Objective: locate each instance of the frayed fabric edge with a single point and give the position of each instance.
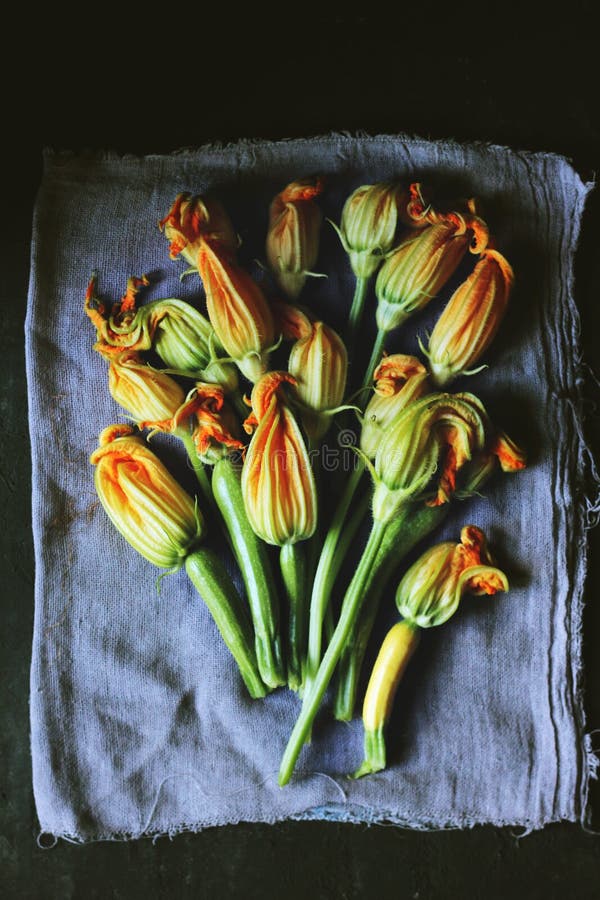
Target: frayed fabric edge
(351, 815)
(587, 487)
(63, 157)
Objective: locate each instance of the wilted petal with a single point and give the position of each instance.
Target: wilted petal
(120, 327)
(192, 219)
(212, 423)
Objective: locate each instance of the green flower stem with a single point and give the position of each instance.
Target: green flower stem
(209, 577)
(404, 532)
(205, 485)
(349, 612)
(356, 311)
(198, 467)
(330, 561)
(252, 557)
(378, 347)
(293, 564)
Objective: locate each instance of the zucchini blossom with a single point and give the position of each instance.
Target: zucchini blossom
(428, 595)
(293, 237)
(277, 480)
(143, 500)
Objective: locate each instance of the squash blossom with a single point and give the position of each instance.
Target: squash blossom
(428, 595)
(237, 309)
(471, 318)
(143, 500)
(370, 220)
(277, 480)
(319, 363)
(421, 454)
(192, 219)
(399, 379)
(213, 424)
(430, 591)
(421, 266)
(292, 244)
(149, 395)
(199, 229)
(181, 336)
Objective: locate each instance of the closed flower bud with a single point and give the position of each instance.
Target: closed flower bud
(212, 423)
(424, 450)
(185, 340)
(471, 318)
(293, 236)
(143, 500)
(319, 364)
(237, 310)
(149, 395)
(431, 590)
(370, 220)
(399, 379)
(418, 270)
(192, 219)
(277, 480)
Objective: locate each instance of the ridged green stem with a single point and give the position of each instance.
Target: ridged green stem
(293, 564)
(330, 561)
(376, 353)
(198, 467)
(348, 615)
(356, 312)
(404, 532)
(210, 509)
(209, 577)
(253, 559)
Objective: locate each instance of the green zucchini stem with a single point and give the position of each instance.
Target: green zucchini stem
(349, 612)
(210, 578)
(293, 563)
(404, 532)
(253, 559)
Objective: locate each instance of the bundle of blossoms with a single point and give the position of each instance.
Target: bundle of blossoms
(253, 389)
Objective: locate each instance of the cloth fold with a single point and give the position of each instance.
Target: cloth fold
(140, 724)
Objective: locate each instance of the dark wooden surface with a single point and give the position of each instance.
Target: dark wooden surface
(508, 75)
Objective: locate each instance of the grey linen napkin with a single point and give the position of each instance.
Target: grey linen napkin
(140, 724)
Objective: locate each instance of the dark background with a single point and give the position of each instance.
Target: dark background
(513, 74)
